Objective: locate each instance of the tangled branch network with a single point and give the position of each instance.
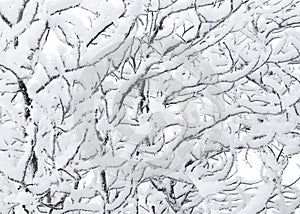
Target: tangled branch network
(149, 106)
